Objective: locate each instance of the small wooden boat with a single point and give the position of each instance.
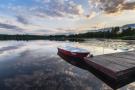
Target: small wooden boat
(78, 62)
(73, 51)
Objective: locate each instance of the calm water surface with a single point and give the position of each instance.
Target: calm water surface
(35, 65)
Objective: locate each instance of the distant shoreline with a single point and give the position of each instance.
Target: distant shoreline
(57, 37)
(114, 33)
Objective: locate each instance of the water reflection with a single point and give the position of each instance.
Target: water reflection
(35, 65)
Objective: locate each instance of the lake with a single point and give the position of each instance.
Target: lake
(35, 65)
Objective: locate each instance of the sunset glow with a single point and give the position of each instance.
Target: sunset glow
(45, 17)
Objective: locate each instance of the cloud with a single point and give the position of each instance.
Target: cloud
(91, 15)
(11, 27)
(45, 9)
(61, 16)
(112, 6)
(48, 8)
(60, 8)
(22, 19)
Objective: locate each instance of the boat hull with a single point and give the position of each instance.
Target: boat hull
(73, 54)
(78, 62)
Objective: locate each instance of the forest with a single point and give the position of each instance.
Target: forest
(114, 33)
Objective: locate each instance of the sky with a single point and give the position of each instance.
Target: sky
(50, 17)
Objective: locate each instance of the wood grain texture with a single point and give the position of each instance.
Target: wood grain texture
(114, 62)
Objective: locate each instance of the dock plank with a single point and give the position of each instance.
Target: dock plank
(122, 61)
(119, 61)
(109, 63)
(125, 55)
(119, 68)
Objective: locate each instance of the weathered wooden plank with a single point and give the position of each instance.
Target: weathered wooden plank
(116, 62)
(117, 79)
(101, 68)
(121, 61)
(107, 63)
(124, 61)
(119, 68)
(128, 56)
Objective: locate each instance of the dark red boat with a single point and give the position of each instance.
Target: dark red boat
(73, 51)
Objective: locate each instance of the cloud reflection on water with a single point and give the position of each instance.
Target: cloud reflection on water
(35, 65)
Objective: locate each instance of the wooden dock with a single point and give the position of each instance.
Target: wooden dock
(116, 70)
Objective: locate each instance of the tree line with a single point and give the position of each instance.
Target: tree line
(37, 37)
(114, 33)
